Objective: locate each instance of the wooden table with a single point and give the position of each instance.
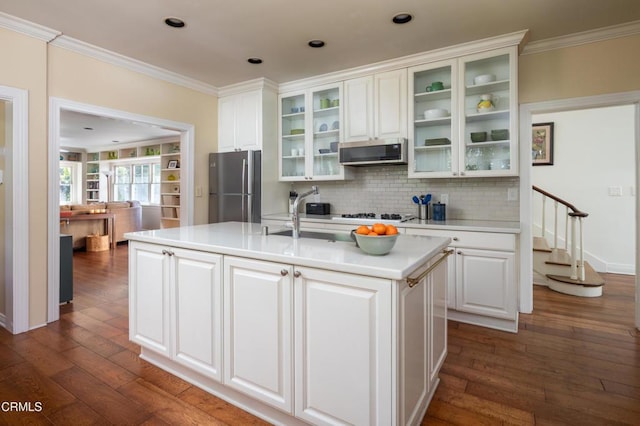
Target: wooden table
(109, 223)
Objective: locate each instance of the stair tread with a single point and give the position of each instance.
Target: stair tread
(591, 278)
(541, 244)
(559, 257)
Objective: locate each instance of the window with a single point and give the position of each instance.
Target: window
(137, 181)
(70, 182)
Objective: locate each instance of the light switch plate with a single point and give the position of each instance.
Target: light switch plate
(444, 198)
(512, 194)
(615, 191)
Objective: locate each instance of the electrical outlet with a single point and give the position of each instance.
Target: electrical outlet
(444, 198)
(512, 194)
(615, 191)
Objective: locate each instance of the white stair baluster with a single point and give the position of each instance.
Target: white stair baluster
(574, 266)
(555, 226)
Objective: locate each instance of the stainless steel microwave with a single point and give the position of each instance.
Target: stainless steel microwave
(375, 151)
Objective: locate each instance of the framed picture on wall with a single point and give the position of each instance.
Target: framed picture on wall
(173, 164)
(542, 144)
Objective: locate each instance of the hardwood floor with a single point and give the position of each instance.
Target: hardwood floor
(574, 361)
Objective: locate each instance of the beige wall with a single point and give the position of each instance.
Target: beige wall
(30, 64)
(24, 66)
(610, 66)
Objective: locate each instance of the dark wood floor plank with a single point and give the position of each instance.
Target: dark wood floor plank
(40, 356)
(77, 414)
(101, 368)
(109, 403)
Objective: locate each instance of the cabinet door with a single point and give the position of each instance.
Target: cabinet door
(197, 311)
(149, 309)
(390, 108)
(226, 124)
(258, 330)
(485, 283)
(249, 121)
(292, 128)
(433, 135)
(325, 132)
(343, 348)
(358, 109)
(488, 108)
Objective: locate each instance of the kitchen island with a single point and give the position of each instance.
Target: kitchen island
(293, 331)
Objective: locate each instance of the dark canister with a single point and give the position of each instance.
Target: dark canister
(439, 211)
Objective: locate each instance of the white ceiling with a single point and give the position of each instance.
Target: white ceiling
(220, 35)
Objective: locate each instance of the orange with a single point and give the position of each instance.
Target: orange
(363, 230)
(372, 234)
(391, 230)
(379, 228)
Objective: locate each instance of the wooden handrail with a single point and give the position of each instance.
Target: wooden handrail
(575, 212)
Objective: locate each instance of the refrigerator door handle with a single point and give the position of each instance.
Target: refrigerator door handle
(244, 175)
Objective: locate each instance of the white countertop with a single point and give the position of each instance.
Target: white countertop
(246, 240)
(508, 227)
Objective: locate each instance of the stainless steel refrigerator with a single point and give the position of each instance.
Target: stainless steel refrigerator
(234, 186)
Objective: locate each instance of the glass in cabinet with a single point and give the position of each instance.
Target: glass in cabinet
(309, 134)
(488, 97)
(433, 142)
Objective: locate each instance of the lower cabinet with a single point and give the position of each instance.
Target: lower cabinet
(175, 305)
(258, 335)
(343, 348)
(483, 280)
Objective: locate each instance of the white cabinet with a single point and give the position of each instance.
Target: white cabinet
(244, 119)
(376, 106)
(258, 341)
(465, 138)
(342, 353)
(310, 129)
(423, 337)
(483, 280)
(175, 298)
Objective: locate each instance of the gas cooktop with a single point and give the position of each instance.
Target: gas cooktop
(373, 217)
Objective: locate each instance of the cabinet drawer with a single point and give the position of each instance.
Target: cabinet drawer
(479, 240)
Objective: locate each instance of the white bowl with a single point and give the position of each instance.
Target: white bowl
(435, 113)
(377, 245)
(484, 79)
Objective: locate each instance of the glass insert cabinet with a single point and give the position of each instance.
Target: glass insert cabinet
(309, 131)
(462, 116)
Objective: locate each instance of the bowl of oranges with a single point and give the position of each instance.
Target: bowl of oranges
(377, 240)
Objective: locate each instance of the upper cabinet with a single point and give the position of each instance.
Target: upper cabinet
(464, 116)
(310, 130)
(243, 118)
(376, 106)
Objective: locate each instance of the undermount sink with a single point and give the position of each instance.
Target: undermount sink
(329, 236)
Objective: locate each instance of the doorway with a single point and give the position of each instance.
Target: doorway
(527, 111)
(58, 105)
(14, 310)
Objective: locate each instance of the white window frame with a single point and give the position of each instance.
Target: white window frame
(76, 181)
(130, 164)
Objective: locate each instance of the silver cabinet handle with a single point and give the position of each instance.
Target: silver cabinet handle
(459, 252)
(168, 252)
(455, 238)
(284, 272)
(297, 274)
(462, 173)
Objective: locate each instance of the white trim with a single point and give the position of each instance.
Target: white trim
(247, 86)
(584, 37)
(27, 28)
(526, 209)
(186, 180)
(116, 59)
(17, 287)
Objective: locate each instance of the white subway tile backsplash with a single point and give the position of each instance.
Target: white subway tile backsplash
(386, 189)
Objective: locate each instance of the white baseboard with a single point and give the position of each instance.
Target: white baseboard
(620, 268)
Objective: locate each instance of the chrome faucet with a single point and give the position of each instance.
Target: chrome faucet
(295, 216)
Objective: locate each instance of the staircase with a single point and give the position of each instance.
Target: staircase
(563, 269)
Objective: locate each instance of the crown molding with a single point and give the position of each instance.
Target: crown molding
(249, 85)
(585, 37)
(104, 55)
(28, 28)
(445, 53)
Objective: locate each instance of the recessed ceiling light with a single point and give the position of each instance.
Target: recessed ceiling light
(402, 18)
(174, 22)
(316, 43)
(254, 61)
